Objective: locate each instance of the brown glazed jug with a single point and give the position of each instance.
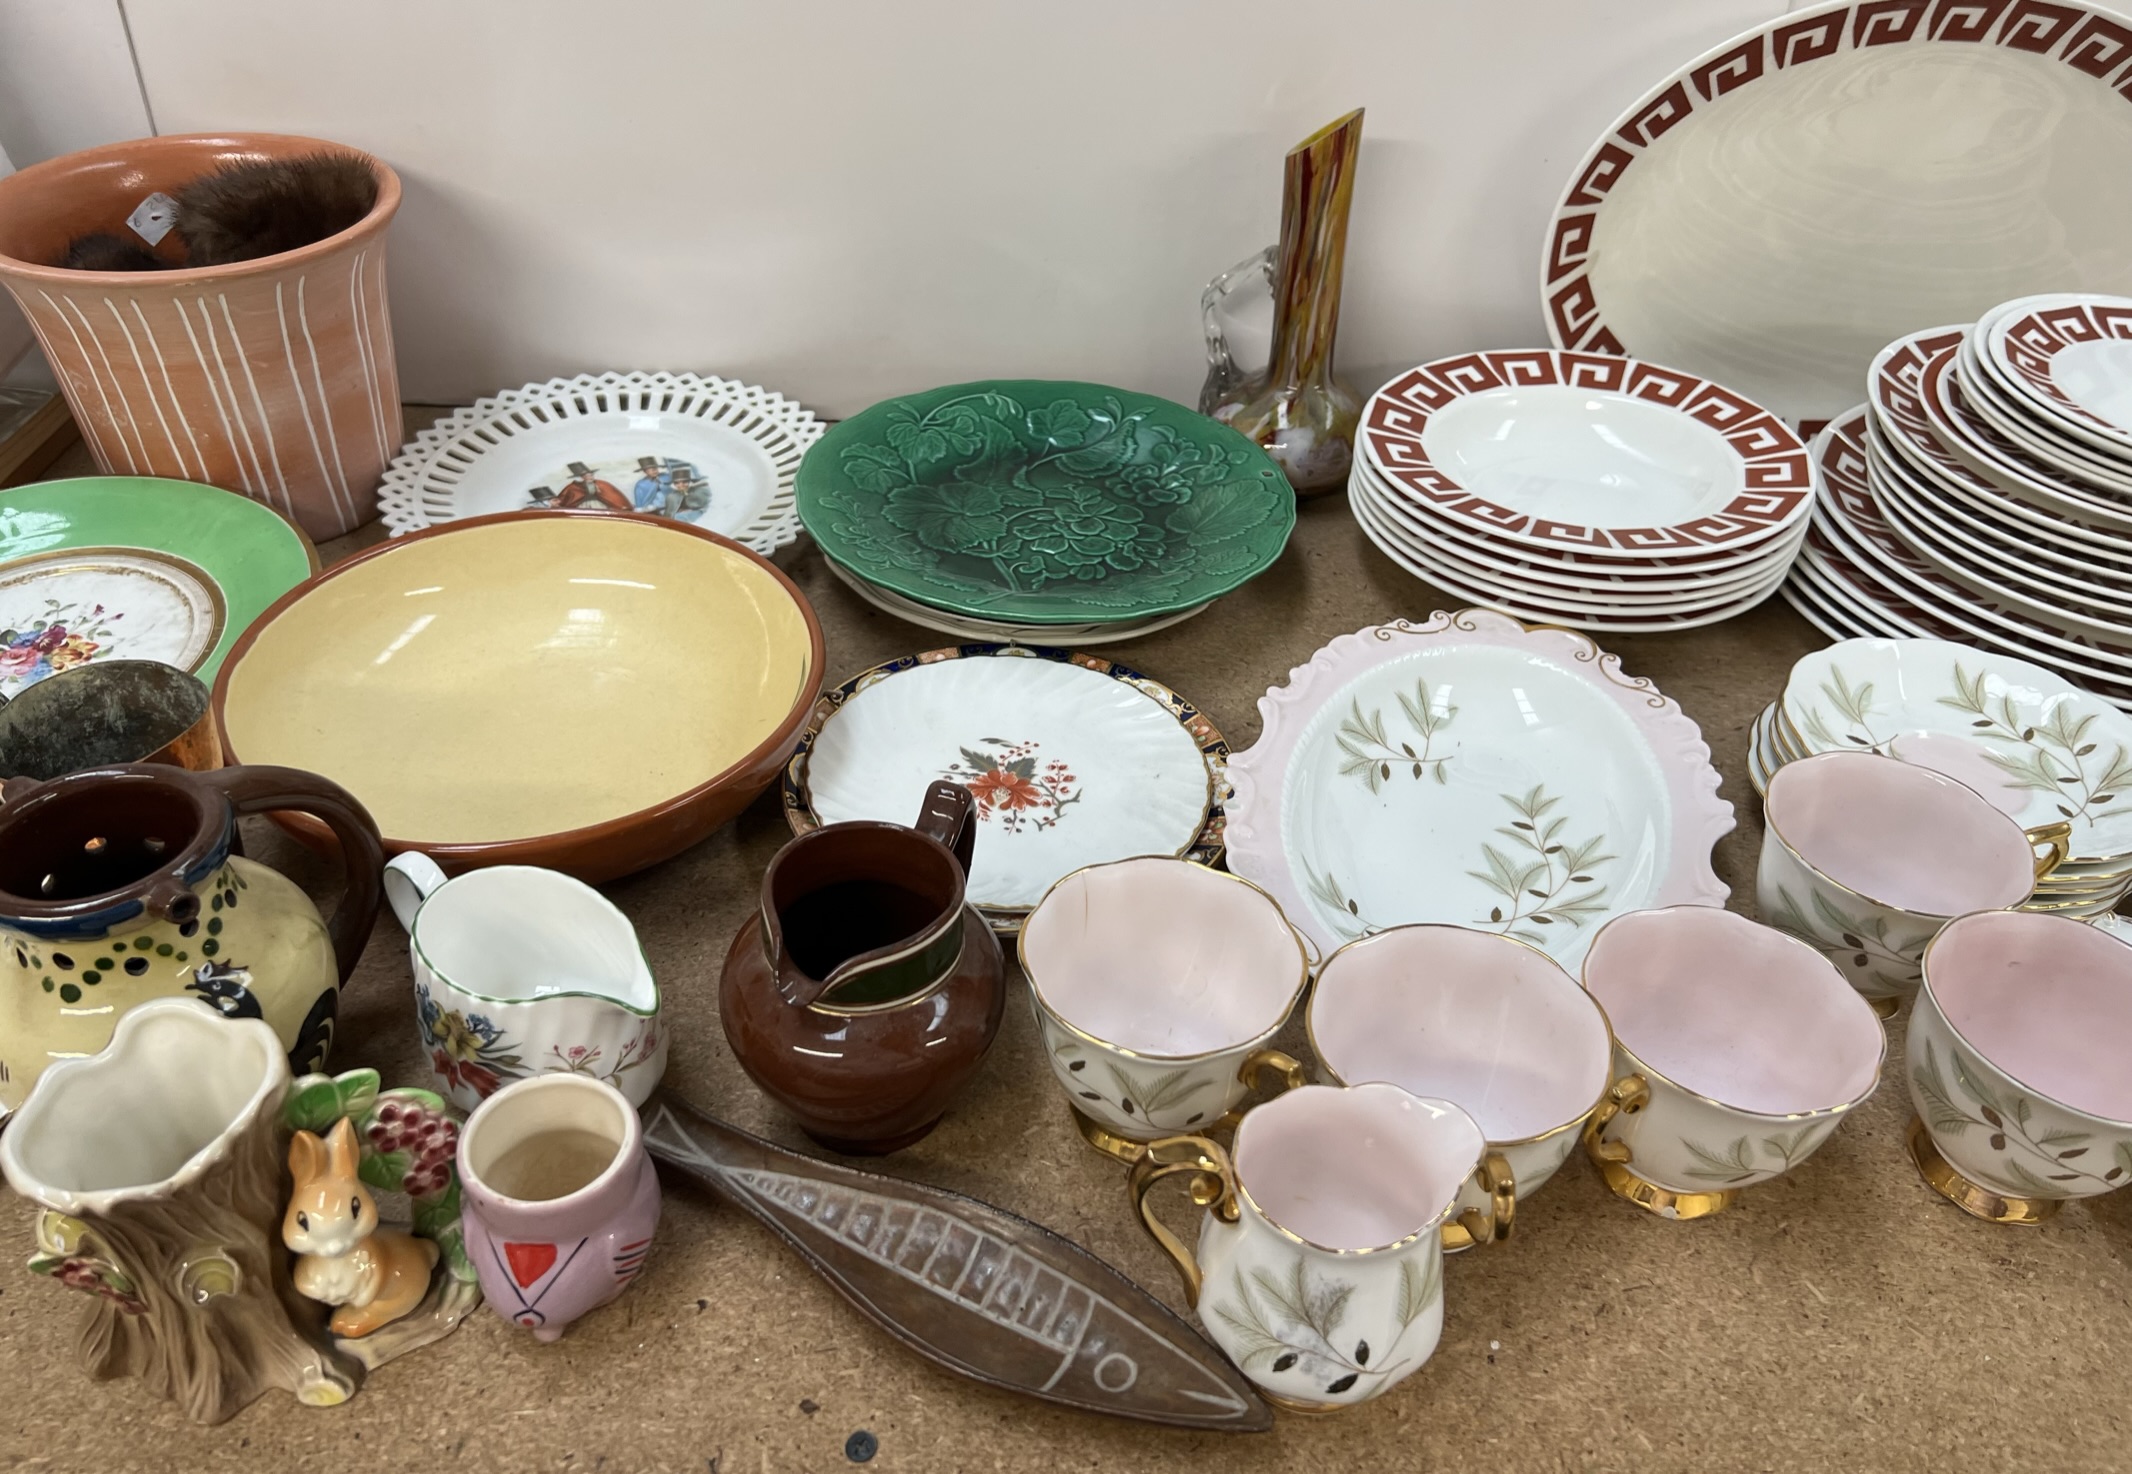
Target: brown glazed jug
(864, 992)
(119, 884)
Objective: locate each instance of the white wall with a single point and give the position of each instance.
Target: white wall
(66, 82)
(846, 200)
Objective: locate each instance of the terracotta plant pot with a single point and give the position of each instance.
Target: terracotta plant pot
(272, 377)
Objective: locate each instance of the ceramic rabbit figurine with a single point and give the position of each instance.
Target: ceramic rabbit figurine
(374, 1275)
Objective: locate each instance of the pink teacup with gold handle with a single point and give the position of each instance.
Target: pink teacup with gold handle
(1867, 857)
(1738, 1050)
(1159, 985)
(1484, 1021)
(2017, 1064)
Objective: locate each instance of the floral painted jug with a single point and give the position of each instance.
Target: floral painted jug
(520, 971)
(864, 992)
(119, 885)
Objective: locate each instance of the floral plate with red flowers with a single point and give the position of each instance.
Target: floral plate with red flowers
(1072, 760)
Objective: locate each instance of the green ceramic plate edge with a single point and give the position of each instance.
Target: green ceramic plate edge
(247, 548)
(820, 472)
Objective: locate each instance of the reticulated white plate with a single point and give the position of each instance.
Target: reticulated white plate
(2034, 744)
(967, 627)
(1474, 771)
(1072, 761)
(1777, 210)
(704, 450)
(2069, 357)
(1608, 455)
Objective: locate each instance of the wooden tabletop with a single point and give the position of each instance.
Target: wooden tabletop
(1841, 1316)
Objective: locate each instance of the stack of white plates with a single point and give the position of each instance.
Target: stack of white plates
(2036, 746)
(1984, 492)
(1582, 489)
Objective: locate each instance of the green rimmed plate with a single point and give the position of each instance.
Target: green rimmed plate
(1045, 502)
(134, 567)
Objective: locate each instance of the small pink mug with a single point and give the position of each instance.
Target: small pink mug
(560, 1199)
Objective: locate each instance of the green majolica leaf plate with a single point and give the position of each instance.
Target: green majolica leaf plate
(135, 568)
(1045, 502)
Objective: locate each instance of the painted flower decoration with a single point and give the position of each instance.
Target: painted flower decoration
(20, 655)
(72, 651)
(999, 789)
(462, 1038)
(466, 1074)
(62, 635)
(1006, 781)
(69, 1251)
(467, 1050)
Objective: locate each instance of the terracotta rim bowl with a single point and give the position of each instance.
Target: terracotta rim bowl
(389, 742)
(46, 205)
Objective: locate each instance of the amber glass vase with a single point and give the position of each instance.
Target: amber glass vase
(1294, 406)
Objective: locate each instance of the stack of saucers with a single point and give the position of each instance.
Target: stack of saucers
(2032, 743)
(1045, 512)
(1582, 489)
(1983, 493)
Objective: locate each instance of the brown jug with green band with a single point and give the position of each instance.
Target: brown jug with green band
(863, 992)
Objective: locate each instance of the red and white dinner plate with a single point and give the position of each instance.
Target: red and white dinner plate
(1581, 488)
(2067, 358)
(1861, 574)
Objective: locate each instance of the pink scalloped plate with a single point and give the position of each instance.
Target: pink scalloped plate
(1475, 771)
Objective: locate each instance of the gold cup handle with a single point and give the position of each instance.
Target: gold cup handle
(1288, 1071)
(1213, 1186)
(1625, 1097)
(1492, 1227)
(2055, 841)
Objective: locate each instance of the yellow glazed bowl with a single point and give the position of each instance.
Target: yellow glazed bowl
(592, 692)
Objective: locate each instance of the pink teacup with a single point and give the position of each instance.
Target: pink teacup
(560, 1198)
(1737, 1051)
(1158, 986)
(1867, 857)
(1481, 1020)
(2017, 1064)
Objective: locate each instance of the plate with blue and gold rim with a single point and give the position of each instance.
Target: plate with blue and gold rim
(1040, 502)
(1072, 760)
(135, 568)
(1476, 771)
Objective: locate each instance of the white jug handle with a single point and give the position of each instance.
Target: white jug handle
(410, 877)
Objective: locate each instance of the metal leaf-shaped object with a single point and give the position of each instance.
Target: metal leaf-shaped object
(973, 1287)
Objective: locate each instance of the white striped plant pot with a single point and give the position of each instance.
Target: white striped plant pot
(274, 377)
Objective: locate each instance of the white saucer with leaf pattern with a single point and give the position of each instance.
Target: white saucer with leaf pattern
(707, 451)
(1475, 771)
(2032, 743)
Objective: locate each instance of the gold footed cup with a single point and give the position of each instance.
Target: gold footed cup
(1976, 1201)
(1105, 1140)
(1612, 1160)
